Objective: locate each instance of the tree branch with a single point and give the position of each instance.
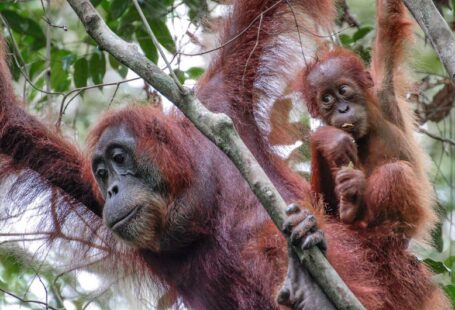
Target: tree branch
(219, 128)
(23, 300)
(436, 29)
(438, 138)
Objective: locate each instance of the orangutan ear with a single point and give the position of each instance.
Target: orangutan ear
(368, 79)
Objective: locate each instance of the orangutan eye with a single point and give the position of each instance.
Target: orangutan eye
(119, 158)
(101, 173)
(328, 99)
(345, 90)
(327, 102)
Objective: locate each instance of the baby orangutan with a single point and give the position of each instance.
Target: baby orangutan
(365, 161)
(366, 165)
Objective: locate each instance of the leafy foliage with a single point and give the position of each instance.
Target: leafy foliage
(85, 65)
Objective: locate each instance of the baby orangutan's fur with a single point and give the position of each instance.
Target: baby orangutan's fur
(366, 163)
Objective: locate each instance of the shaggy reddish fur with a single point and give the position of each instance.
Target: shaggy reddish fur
(32, 145)
(388, 154)
(234, 258)
(352, 67)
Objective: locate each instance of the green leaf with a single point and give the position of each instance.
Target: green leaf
(123, 71)
(436, 236)
(97, 67)
(60, 63)
(9, 5)
(147, 45)
(364, 53)
(450, 261)
(154, 9)
(35, 68)
(88, 40)
(450, 291)
(117, 66)
(13, 268)
(180, 75)
(67, 61)
(194, 72)
(59, 78)
(131, 16)
(345, 39)
(163, 34)
(26, 26)
(197, 8)
(128, 23)
(362, 32)
(126, 31)
(95, 2)
(106, 5)
(15, 71)
(437, 267)
(81, 72)
(118, 8)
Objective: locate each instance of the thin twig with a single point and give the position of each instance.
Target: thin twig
(44, 287)
(236, 36)
(16, 51)
(253, 22)
(78, 267)
(13, 40)
(22, 240)
(47, 19)
(78, 91)
(298, 30)
(98, 294)
(433, 136)
(347, 16)
(25, 234)
(47, 76)
(113, 96)
(25, 75)
(27, 300)
(252, 51)
(157, 45)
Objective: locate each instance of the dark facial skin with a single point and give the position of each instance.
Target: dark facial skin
(342, 104)
(134, 203)
(341, 101)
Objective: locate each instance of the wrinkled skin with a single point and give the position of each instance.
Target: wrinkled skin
(134, 199)
(341, 100)
(343, 108)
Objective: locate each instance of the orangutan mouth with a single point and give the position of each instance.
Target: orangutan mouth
(125, 219)
(347, 125)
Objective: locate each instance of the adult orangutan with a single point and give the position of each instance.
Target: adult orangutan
(191, 220)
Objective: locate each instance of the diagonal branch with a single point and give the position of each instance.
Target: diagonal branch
(436, 29)
(219, 128)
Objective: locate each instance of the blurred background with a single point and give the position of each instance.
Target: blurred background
(66, 80)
